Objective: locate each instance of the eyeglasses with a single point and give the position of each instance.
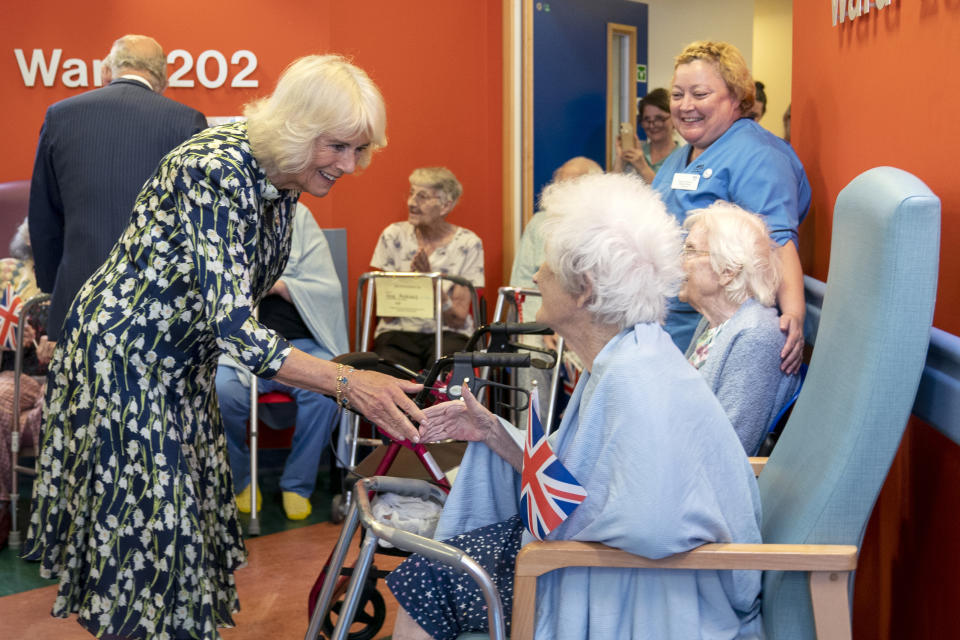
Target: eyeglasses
(649, 122)
(689, 251)
(422, 197)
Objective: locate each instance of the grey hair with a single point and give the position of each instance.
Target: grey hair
(441, 179)
(316, 95)
(20, 244)
(740, 246)
(612, 233)
(129, 52)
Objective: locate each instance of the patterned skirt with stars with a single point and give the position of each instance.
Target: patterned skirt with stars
(445, 602)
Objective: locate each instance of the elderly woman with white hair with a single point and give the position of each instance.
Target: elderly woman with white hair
(134, 483)
(427, 241)
(733, 272)
(643, 435)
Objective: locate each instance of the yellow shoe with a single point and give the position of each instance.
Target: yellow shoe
(243, 500)
(296, 506)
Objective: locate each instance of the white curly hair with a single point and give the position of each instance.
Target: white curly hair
(612, 233)
(740, 245)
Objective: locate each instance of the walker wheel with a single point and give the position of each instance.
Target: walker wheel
(371, 614)
(338, 509)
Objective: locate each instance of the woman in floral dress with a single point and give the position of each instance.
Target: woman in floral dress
(133, 507)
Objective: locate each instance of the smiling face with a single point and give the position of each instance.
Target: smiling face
(656, 123)
(702, 106)
(701, 281)
(332, 158)
(426, 206)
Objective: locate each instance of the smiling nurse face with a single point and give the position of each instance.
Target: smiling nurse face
(702, 106)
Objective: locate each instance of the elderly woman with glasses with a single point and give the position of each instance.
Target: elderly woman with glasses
(643, 436)
(730, 157)
(646, 157)
(733, 271)
(426, 241)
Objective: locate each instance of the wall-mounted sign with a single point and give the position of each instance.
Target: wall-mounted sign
(641, 73)
(211, 69)
(853, 9)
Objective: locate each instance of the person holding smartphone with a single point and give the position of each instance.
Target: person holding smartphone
(645, 157)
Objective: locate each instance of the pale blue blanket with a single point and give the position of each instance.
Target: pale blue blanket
(664, 472)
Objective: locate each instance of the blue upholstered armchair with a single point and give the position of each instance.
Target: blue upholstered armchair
(819, 486)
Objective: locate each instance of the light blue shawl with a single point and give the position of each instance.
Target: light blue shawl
(664, 472)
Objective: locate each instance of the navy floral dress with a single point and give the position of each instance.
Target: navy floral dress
(133, 508)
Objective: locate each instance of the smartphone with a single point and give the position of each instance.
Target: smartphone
(626, 136)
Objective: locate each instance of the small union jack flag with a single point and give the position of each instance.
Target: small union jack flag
(549, 493)
(569, 377)
(9, 315)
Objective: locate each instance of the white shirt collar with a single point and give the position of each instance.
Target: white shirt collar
(133, 76)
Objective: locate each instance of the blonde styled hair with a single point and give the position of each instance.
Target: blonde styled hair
(730, 65)
(740, 246)
(441, 179)
(316, 95)
(611, 232)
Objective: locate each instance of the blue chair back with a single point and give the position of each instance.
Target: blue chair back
(824, 475)
(337, 239)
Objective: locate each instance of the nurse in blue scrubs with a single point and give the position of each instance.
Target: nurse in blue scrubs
(730, 157)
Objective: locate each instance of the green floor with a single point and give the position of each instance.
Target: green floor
(17, 575)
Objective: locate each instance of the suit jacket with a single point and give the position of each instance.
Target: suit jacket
(96, 150)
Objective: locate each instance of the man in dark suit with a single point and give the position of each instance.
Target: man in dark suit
(95, 152)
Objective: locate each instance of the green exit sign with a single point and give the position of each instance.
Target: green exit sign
(641, 73)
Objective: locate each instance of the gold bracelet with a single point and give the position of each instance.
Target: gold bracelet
(343, 384)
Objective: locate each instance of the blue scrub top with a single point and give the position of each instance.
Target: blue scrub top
(748, 166)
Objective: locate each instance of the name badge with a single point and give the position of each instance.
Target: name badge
(685, 181)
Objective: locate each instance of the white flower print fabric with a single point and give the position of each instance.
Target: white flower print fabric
(133, 508)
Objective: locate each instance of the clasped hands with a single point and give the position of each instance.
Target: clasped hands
(464, 419)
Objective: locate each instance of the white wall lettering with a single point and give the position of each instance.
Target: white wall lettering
(240, 80)
(202, 59)
(74, 73)
(38, 63)
(212, 70)
(176, 78)
(852, 9)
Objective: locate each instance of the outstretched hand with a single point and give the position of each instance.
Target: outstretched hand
(464, 419)
(383, 400)
(792, 353)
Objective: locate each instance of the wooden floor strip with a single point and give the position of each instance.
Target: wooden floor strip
(273, 588)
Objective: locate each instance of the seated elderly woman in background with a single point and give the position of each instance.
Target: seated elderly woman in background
(643, 435)
(427, 242)
(733, 272)
(16, 272)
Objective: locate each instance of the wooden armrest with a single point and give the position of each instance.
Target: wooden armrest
(758, 464)
(829, 567)
(540, 557)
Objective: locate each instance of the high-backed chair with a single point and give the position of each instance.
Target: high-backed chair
(820, 484)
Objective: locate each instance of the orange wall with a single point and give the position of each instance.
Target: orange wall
(879, 91)
(437, 63)
(882, 91)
